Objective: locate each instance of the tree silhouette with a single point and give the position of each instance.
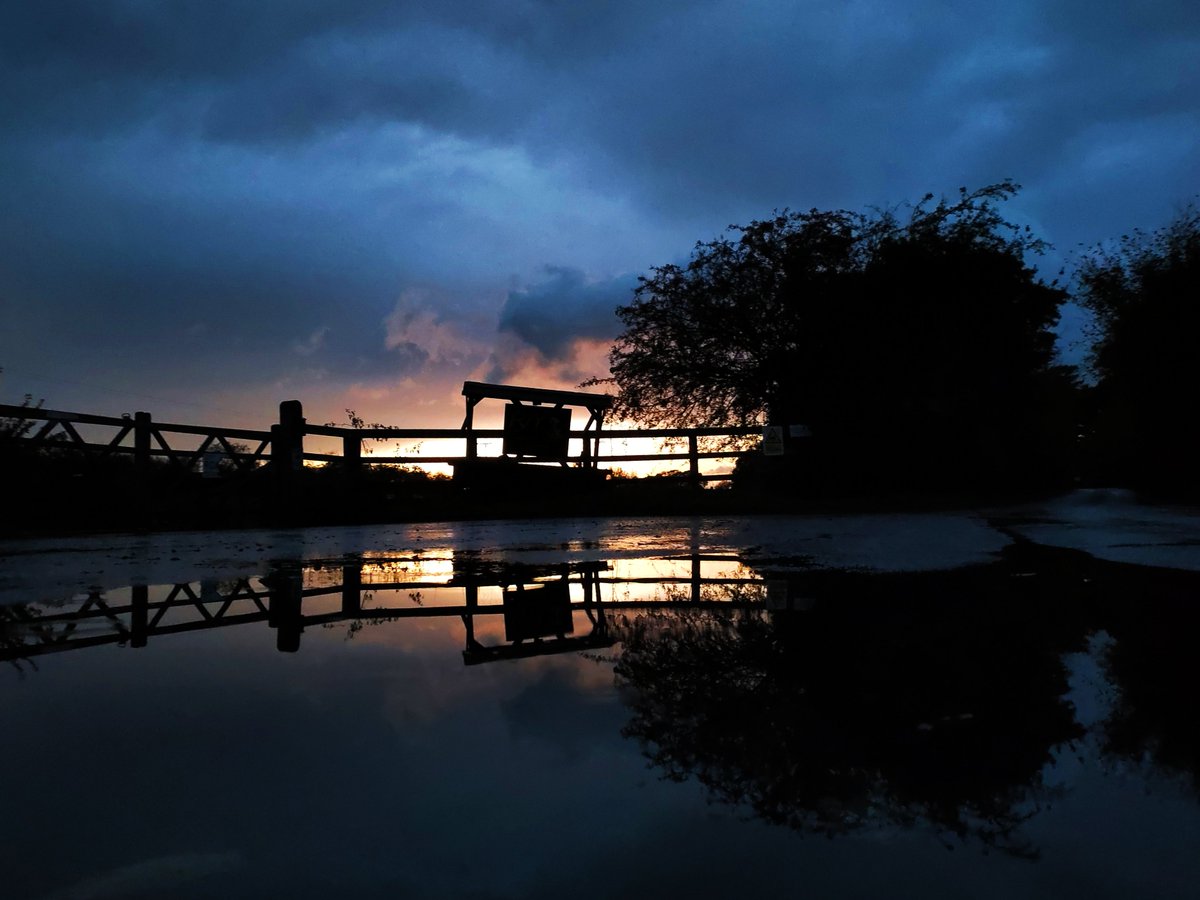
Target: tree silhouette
(918, 346)
(1145, 294)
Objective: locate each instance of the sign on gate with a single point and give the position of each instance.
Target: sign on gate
(540, 431)
(772, 440)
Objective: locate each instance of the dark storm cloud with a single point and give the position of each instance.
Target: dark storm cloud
(551, 314)
(264, 71)
(878, 102)
(189, 39)
(751, 108)
(294, 106)
(282, 69)
(99, 65)
(700, 97)
(138, 264)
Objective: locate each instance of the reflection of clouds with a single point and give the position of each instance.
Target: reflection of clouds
(1090, 694)
(428, 682)
(157, 876)
(419, 675)
(563, 711)
(418, 637)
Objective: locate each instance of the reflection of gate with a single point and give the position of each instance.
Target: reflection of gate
(536, 611)
(539, 615)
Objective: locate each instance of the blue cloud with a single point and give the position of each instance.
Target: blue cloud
(551, 314)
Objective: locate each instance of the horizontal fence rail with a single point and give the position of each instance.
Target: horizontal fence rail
(143, 440)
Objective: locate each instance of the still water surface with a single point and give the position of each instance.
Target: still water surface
(844, 707)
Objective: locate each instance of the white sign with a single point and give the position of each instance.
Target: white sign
(772, 440)
(210, 463)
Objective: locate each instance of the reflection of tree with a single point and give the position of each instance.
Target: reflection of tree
(13, 635)
(906, 699)
(1153, 665)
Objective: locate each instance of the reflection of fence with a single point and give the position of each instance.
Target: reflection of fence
(143, 440)
(537, 606)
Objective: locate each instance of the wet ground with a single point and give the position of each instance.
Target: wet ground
(991, 703)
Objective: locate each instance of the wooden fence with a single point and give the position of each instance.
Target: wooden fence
(145, 440)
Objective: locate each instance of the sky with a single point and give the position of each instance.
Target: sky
(211, 206)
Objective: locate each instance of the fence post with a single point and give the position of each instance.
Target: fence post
(284, 607)
(141, 441)
(471, 592)
(352, 453)
(468, 425)
(352, 589)
(139, 615)
(287, 439)
(693, 461)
